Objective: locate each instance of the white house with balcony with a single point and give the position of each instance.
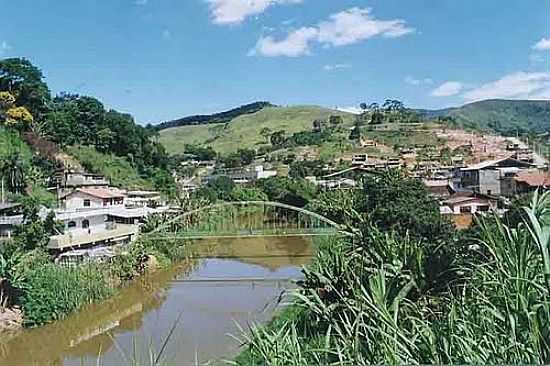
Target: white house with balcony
(88, 198)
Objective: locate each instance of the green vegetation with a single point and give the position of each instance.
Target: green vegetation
(117, 169)
(401, 292)
(48, 124)
(247, 129)
(504, 116)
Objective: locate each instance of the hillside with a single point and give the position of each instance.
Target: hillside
(244, 131)
(503, 116)
(222, 117)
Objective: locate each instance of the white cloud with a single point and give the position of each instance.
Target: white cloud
(336, 67)
(542, 45)
(520, 85)
(4, 48)
(447, 89)
(296, 44)
(413, 81)
(343, 28)
(236, 11)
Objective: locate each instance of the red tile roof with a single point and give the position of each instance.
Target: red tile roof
(103, 193)
(534, 179)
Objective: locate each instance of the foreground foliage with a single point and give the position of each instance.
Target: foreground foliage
(366, 301)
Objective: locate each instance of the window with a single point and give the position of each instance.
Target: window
(87, 203)
(85, 224)
(465, 209)
(71, 224)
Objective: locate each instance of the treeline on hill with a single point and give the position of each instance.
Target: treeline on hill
(222, 117)
(507, 117)
(73, 120)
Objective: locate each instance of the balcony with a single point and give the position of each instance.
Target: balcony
(110, 234)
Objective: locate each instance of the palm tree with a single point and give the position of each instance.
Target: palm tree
(12, 171)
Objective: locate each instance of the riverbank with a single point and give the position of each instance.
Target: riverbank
(46, 292)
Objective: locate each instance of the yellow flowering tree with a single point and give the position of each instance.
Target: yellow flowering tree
(12, 115)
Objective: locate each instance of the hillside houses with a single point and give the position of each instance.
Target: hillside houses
(493, 177)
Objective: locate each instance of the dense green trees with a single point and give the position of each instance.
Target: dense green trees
(25, 81)
(70, 119)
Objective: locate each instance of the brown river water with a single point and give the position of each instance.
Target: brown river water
(230, 282)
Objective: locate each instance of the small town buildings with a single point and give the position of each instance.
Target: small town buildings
(439, 188)
(10, 218)
(529, 181)
(333, 184)
(243, 175)
(143, 199)
(90, 229)
(468, 203)
(93, 198)
(493, 177)
(359, 159)
(69, 180)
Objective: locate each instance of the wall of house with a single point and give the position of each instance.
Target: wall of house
(469, 179)
(489, 182)
(76, 201)
(473, 206)
(96, 222)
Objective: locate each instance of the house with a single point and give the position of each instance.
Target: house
(10, 218)
(331, 184)
(72, 179)
(93, 198)
(529, 181)
(69, 180)
(367, 143)
(439, 188)
(468, 203)
(359, 159)
(143, 199)
(493, 177)
(243, 175)
(90, 229)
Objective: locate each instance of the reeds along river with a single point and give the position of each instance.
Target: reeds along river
(210, 294)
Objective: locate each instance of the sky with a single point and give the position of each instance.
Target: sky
(165, 59)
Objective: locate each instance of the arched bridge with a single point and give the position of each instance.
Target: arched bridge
(245, 219)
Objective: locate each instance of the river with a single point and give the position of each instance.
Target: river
(228, 283)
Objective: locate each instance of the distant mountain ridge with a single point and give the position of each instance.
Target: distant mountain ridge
(222, 117)
(500, 115)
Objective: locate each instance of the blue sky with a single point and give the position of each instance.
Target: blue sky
(162, 59)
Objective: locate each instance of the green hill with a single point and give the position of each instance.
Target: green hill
(244, 131)
(504, 116)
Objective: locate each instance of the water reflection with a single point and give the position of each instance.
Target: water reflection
(145, 311)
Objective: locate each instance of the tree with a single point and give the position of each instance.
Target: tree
(278, 138)
(355, 133)
(318, 125)
(335, 121)
(266, 133)
(10, 114)
(12, 172)
(25, 81)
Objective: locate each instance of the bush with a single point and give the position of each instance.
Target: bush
(51, 292)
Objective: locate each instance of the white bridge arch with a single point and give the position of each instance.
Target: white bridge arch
(305, 222)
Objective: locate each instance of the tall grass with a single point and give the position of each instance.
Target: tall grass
(372, 304)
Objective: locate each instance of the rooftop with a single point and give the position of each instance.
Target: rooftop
(100, 192)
